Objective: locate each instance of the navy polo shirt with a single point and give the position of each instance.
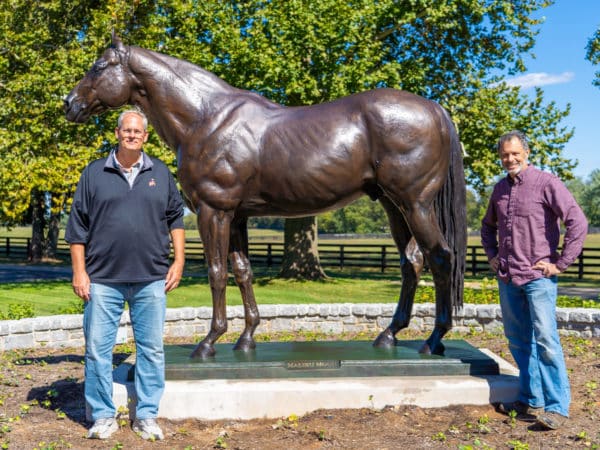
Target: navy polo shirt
(125, 229)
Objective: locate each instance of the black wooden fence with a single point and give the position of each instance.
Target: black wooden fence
(339, 256)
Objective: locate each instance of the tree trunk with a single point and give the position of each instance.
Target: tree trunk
(51, 242)
(301, 254)
(38, 223)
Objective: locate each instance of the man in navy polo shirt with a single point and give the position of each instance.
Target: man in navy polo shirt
(126, 211)
(520, 234)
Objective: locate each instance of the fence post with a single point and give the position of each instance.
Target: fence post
(383, 258)
(580, 265)
(7, 246)
(342, 256)
(474, 260)
(269, 256)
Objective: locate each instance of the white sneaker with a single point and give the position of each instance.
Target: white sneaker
(148, 429)
(103, 428)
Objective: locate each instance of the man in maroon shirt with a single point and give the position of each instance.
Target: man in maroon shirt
(520, 234)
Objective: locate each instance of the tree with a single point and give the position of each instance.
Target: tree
(363, 216)
(44, 48)
(34, 172)
(483, 115)
(474, 210)
(306, 52)
(590, 198)
(593, 53)
(294, 52)
(577, 187)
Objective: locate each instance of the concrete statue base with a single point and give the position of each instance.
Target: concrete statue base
(283, 378)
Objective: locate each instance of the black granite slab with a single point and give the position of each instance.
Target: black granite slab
(327, 359)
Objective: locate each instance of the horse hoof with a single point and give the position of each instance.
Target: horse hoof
(437, 350)
(385, 340)
(425, 350)
(244, 345)
(203, 351)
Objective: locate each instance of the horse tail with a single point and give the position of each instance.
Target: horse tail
(451, 211)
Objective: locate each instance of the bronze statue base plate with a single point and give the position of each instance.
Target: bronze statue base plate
(327, 359)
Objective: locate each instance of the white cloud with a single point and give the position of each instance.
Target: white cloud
(540, 79)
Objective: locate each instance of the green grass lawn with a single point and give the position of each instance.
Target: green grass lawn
(49, 298)
(354, 286)
(56, 297)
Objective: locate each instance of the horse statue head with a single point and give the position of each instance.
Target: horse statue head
(107, 85)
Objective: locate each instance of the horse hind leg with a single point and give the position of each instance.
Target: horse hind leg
(411, 261)
(427, 233)
(242, 271)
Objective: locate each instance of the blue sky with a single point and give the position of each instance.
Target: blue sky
(561, 70)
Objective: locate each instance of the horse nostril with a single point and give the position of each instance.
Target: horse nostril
(67, 101)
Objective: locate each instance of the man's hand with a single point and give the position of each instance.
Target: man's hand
(176, 270)
(81, 280)
(494, 264)
(81, 285)
(548, 269)
(173, 276)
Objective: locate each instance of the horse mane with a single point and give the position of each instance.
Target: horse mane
(195, 78)
(186, 72)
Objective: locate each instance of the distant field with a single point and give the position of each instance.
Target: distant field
(592, 240)
(189, 234)
(16, 232)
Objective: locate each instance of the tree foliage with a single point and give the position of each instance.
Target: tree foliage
(593, 54)
(363, 216)
(590, 198)
(44, 48)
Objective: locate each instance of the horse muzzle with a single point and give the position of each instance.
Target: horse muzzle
(75, 110)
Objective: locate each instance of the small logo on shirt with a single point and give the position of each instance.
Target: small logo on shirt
(152, 183)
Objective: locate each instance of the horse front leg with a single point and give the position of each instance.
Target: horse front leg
(242, 271)
(214, 228)
(411, 266)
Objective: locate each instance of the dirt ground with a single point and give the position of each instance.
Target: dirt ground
(42, 407)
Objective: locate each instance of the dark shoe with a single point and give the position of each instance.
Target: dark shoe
(523, 411)
(551, 420)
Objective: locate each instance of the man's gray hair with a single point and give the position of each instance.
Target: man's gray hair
(133, 111)
(515, 134)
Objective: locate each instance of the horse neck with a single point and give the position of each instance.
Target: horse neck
(174, 93)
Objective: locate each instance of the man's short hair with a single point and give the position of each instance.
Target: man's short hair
(133, 111)
(515, 134)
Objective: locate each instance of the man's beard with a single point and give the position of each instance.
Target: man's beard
(516, 171)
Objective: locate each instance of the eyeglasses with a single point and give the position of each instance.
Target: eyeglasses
(134, 131)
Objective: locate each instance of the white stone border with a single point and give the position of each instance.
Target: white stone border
(335, 318)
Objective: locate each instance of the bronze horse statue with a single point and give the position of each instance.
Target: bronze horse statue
(241, 155)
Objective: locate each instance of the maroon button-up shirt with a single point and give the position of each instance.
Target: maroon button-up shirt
(522, 225)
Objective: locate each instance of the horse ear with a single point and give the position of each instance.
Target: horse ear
(116, 41)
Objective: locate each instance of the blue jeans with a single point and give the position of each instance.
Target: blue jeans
(101, 316)
(529, 316)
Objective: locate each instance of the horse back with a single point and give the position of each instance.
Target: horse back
(364, 129)
(303, 160)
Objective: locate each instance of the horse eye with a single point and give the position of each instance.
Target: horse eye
(99, 66)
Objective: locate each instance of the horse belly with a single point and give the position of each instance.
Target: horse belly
(283, 207)
(310, 186)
